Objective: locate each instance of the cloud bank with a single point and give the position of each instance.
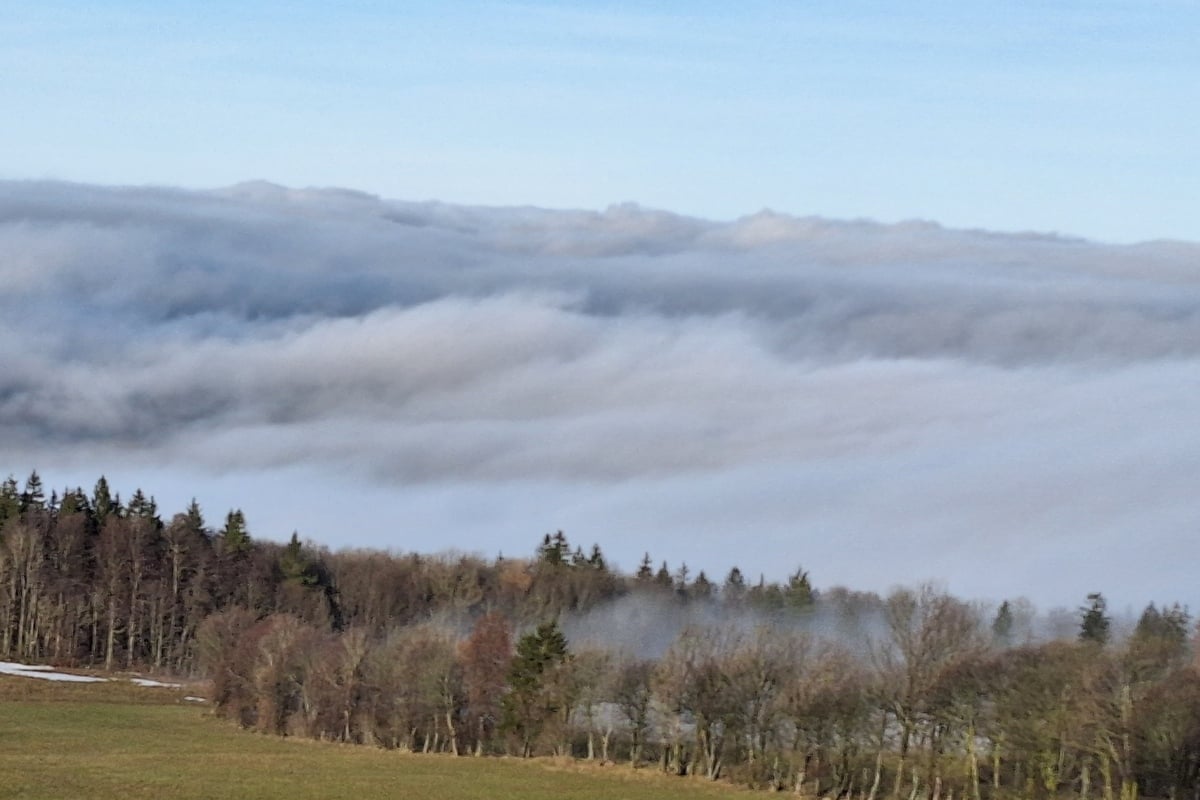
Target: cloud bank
(1009, 413)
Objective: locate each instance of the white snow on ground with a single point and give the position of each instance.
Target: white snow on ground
(50, 674)
(195, 699)
(44, 672)
(157, 684)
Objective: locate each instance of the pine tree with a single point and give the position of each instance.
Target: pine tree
(234, 536)
(735, 586)
(1094, 621)
(33, 498)
(74, 501)
(1160, 639)
(554, 550)
(195, 519)
(799, 592)
(102, 501)
(681, 581)
(10, 500)
(142, 507)
(596, 559)
(645, 570)
(295, 565)
(1002, 625)
(533, 698)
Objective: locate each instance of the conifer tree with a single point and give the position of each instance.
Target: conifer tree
(1094, 620)
(33, 498)
(74, 501)
(102, 501)
(1002, 625)
(799, 592)
(195, 518)
(142, 507)
(533, 696)
(10, 499)
(681, 581)
(645, 571)
(1160, 639)
(235, 537)
(596, 559)
(295, 565)
(735, 586)
(554, 549)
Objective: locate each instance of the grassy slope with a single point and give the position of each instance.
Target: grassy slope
(64, 741)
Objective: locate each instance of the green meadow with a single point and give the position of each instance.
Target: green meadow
(120, 742)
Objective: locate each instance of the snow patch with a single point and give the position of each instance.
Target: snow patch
(195, 699)
(44, 672)
(155, 684)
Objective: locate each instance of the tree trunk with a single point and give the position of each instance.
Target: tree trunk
(878, 774)
(112, 633)
(972, 762)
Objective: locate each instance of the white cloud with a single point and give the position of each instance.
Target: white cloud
(878, 402)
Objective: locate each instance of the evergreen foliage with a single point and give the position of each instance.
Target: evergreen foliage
(1002, 624)
(536, 692)
(235, 538)
(1094, 620)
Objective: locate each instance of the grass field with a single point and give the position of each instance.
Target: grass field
(119, 742)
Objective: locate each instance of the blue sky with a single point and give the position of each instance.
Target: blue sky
(1082, 118)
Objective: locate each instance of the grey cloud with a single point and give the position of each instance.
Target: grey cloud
(895, 374)
(260, 305)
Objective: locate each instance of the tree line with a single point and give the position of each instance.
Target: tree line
(841, 694)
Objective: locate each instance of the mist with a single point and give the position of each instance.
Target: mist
(1008, 414)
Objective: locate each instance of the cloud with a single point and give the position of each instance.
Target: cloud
(940, 396)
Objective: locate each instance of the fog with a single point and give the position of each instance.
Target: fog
(1008, 414)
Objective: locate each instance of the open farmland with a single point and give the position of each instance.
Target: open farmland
(126, 742)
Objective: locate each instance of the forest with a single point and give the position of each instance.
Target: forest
(778, 686)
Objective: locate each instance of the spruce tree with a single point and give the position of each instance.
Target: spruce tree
(34, 497)
(142, 507)
(295, 565)
(74, 501)
(1002, 625)
(554, 550)
(645, 571)
(195, 519)
(1094, 621)
(596, 559)
(102, 501)
(531, 700)
(10, 500)
(1160, 639)
(735, 586)
(234, 536)
(798, 594)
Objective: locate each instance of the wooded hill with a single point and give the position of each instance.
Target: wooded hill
(834, 693)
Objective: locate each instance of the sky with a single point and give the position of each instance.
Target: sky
(1075, 117)
(889, 295)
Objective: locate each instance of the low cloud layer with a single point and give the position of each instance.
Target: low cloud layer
(1011, 414)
